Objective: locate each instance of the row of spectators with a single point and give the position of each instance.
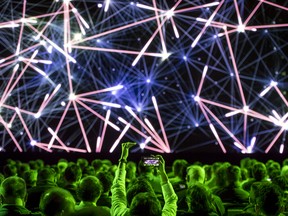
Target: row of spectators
(130, 189)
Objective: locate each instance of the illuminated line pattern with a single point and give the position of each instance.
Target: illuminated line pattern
(172, 76)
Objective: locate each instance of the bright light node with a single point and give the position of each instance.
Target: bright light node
(273, 83)
(20, 58)
(100, 5)
(148, 81)
(281, 148)
(74, 10)
(185, 58)
(9, 125)
(33, 142)
(165, 56)
(77, 36)
(49, 49)
(63, 103)
(142, 145)
(246, 108)
(132, 3)
(139, 109)
(196, 124)
(241, 28)
(196, 98)
(37, 115)
(72, 97)
(286, 125)
(170, 13)
(2, 60)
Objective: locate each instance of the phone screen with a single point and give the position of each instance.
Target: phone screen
(150, 161)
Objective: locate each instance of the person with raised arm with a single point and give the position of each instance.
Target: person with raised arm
(145, 202)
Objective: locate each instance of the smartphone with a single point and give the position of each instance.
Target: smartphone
(150, 161)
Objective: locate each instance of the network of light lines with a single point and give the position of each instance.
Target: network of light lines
(172, 76)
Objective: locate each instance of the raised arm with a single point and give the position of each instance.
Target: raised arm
(119, 202)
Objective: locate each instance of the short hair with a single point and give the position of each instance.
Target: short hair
(9, 170)
(196, 173)
(233, 174)
(179, 168)
(145, 204)
(259, 171)
(269, 198)
(106, 179)
(46, 174)
(198, 198)
(89, 189)
(13, 187)
(73, 173)
(139, 185)
(56, 200)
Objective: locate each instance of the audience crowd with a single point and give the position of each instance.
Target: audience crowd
(139, 189)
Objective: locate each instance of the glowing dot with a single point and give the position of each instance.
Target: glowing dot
(142, 145)
(266, 31)
(74, 10)
(20, 58)
(9, 125)
(281, 148)
(196, 124)
(185, 58)
(196, 98)
(78, 36)
(37, 115)
(21, 133)
(100, 5)
(114, 92)
(63, 103)
(286, 125)
(72, 96)
(148, 81)
(241, 28)
(215, 36)
(232, 74)
(273, 83)
(33, 142)
(132, 3)
(98, 40)
(165, 55)
(170, 13)
(246, 108)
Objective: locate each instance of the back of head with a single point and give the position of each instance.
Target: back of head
(138, 186)
(9, 170)
(179, 168)
(57, 201)
(73, 173)
(82, 163)
(13, 187)
(259, 171)
(106, 180)
(233, 174)
(89, 189)
(195, 173)
(46, 174)
(269, 199)
(198, 198)
(145, 204)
